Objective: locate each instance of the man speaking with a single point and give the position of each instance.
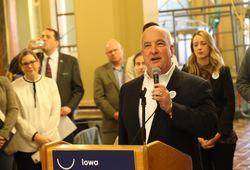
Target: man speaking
(178, 109)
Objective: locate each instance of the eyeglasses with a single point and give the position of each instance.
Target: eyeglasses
(26, 64)
(111, 51)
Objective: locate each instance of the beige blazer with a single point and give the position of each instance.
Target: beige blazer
(106, 96)
(8, 105)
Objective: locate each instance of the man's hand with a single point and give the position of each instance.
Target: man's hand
(161, 94)
(2, 141)
(116, 115)
(65, 110)
(32, 45)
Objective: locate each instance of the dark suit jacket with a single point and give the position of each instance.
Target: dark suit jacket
(193, 111)
(224, 99)
(68, 79)
(243, 78)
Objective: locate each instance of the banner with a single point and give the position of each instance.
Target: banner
(93, 160)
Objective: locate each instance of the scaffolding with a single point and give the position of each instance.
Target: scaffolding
(225, 22)
(212, 18)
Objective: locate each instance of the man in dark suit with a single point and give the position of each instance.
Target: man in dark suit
(179, 108)
(64, 70)
(243, 79)
(107, 82)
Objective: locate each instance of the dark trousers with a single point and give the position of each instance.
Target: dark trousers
(6, 161)
(24, 161)
(69, 138)
(218, 158)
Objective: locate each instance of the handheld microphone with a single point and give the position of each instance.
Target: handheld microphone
(156, 71)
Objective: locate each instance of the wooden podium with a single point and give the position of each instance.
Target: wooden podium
(153, 156)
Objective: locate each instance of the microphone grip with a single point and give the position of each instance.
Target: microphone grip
(156, 81)
(156, 78)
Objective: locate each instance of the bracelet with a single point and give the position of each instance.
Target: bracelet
(33, 137)
(170, 115)
(169, 112)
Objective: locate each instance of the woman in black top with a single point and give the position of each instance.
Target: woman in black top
(206, 62)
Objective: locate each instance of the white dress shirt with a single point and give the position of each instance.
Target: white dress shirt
(151, 104)
(54, 57)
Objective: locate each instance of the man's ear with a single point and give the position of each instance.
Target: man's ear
(58, 44)
(172, 50)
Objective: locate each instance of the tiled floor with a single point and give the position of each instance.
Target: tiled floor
(242, 154)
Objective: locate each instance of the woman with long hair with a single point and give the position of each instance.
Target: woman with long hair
(206, 61)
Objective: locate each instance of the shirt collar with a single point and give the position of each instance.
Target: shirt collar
(163, 78)
(54, 55)
(113, 67)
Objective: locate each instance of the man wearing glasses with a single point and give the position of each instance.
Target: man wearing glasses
(107, 82)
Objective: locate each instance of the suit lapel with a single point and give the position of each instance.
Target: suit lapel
(60, 66)
(133, 110)
(174, 82)
(173, 85)
(40, 57)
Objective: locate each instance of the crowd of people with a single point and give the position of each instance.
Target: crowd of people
(48, 87)
(191, 109)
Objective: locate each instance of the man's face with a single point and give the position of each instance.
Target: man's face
(50, 43)
(114, 52)
(139, 65)
(156, 49)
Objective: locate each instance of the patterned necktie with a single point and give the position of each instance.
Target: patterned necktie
(48, 69)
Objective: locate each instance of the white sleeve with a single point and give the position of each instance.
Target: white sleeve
(129, 70)
(51, 129)
(24, 128)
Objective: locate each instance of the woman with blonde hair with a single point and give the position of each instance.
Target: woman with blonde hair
(206, 61)
(213, 58)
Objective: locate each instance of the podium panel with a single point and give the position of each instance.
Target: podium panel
(165, 157)
(90, 154)
(154, 156)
